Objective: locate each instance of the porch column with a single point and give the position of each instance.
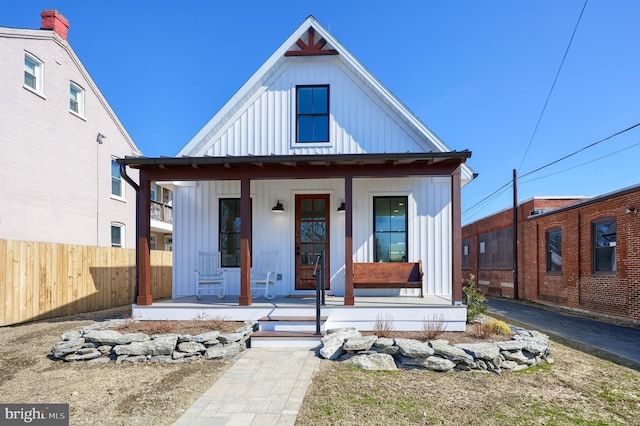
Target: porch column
(456, 238)
(245, 254)
(348, 242)
(144, 255)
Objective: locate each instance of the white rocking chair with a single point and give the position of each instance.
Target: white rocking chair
(209, 274)
(263, 278)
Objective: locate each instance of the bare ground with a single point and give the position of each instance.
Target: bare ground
(577, 389)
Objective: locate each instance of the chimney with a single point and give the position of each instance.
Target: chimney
(53, 20)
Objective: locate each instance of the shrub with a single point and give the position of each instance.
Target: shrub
(476, 302)
(433, 327)
(384, 326)
(499, 328)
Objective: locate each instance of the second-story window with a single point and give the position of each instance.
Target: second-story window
(33, 75)
(312, 114)
(117, 189)
(76, 99)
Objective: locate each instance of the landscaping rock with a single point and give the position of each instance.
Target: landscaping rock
(414, 348)
(358, 344)
(377, 361)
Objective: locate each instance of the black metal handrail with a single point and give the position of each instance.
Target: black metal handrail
(318, 274)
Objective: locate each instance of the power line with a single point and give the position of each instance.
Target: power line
(506, 185)
(581, 149)
(546, 102)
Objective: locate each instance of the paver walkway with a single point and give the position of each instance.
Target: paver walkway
(265, 386)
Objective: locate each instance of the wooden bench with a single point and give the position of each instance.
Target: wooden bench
(388, 275)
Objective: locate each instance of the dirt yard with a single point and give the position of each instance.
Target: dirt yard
(576, 388)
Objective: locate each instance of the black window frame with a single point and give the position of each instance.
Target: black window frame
(599, 250)
(235, 233)
(326, 114)
(376, 232)
(553, 250)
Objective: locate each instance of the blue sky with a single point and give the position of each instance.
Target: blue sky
(477, 73)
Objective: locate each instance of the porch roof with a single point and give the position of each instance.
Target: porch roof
(274, 166)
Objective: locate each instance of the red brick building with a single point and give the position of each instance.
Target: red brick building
(578, 253)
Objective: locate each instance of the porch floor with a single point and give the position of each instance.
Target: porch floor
(406, 313)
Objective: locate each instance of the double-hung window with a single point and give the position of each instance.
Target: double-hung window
(33, 75)
(117, 235)
(604, 244)
(390, 229)
(117, 189)
(229, 232)
(312, 114)
(76, 99)
(554, 250)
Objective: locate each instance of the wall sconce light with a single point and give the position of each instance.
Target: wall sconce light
(631, 210)
(100, 137)
(278, 208)
(341, 208)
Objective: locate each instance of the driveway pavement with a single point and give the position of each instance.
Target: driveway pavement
(621, 341)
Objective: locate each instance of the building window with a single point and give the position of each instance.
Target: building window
(168, 242)
(117, 235)
(76, 99)
(117, 189)
(554, 250)
(153, 242)
(33, 73)
(604, 245)
(312, 114)
(154, 192)
(496, 250)
(230, 232)
(466, 254)
(390, 229)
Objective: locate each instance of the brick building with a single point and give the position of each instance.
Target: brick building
(579, 253)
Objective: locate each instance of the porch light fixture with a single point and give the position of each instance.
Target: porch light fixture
(631, 210)
(278, 208)
(341, 208)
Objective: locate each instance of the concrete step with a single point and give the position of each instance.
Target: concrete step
(291, 323)
(297, 339)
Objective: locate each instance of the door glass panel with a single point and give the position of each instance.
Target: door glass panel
(320, 232)
(306, 254)
(307, 209)
(319, 207)
(306, 232)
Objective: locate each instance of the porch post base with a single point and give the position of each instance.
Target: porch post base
(349, 301)
(244, 301)
(144, 300)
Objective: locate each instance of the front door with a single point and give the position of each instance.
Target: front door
(312, 236)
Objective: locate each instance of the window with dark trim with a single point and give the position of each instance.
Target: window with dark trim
(229, 232)
(312, 114)
(604, 244)
(466, 253)
(390, 229)
(554, 250)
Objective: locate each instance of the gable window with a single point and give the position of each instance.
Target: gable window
(390, 229)
(117, 189)
(229, 230)
(312, 114)
(33, 73)
(604, 244)
(76, 99)
(554, 250)
(117, 235)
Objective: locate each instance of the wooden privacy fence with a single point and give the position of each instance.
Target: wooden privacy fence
(46, 280)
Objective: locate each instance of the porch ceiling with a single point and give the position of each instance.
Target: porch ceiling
(299, 166)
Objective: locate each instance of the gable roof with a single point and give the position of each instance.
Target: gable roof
(301, 40)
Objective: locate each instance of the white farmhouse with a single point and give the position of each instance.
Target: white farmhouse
(313, 154)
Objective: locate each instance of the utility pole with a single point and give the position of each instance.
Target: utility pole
(515, 234)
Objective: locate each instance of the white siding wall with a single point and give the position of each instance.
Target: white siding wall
(196, 227)
(359, 121)
(56, 177)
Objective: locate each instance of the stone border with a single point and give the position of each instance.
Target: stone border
(525, 349)
(97, 344)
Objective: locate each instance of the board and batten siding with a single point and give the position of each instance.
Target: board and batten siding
(429, 233)
(359, 121)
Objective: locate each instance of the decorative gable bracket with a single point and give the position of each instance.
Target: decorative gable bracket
(311, 48)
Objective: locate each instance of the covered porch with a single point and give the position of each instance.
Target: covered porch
(345, 169)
